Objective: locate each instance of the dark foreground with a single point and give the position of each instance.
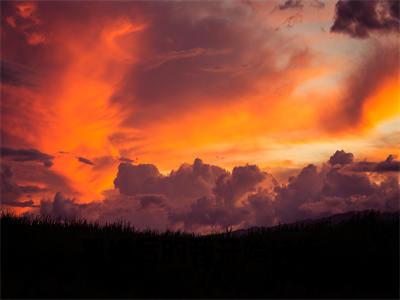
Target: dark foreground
(358, 257)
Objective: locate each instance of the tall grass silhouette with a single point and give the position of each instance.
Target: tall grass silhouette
(356, 257)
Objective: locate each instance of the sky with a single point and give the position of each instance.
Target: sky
(195, 115)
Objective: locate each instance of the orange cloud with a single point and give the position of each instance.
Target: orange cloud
(384, 104)
(144, 82)
(83, 117)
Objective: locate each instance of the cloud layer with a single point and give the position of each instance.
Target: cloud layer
(201, 197)
(27, 155)
(86, 86)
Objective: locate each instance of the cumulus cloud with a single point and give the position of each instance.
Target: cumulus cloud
(202, 197)
(188, 182)
(339, 189)
(384, 197)
(61, 208)
(230, 187)
(341, 158)
(240, 198)
(23, 185)
(23, 155)
(144, 211)
(261, 209)
(205, 212)
(360, 18)
(340, 184)
(303, 188)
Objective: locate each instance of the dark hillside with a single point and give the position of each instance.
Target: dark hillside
(356, 257)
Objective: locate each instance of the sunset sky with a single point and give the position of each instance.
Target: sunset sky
(274, 85)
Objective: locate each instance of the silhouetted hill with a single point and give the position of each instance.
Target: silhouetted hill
(332, 219)
(357, 256)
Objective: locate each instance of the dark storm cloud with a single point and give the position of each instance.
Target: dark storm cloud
(379, 65)
(84, 160)
(359, 18)
(341, 158)
(24, 155)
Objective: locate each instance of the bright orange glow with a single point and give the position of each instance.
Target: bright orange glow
(384, 104)
(291, 79)
(83, 119)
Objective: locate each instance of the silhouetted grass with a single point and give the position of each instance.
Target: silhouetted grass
(358, 257)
